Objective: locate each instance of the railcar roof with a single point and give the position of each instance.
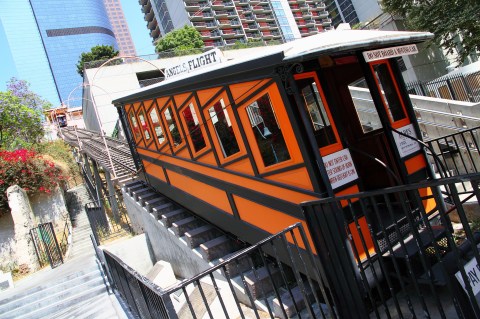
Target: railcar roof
(329, 42)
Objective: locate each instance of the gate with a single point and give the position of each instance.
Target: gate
(425, 257)
(46, 245)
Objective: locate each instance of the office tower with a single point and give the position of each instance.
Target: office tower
(225, 22)
(120, 27)
(46, 39)
(342, 11)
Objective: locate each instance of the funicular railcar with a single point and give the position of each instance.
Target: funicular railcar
(242, 143)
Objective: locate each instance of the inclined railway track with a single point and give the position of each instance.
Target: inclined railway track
(92, 144)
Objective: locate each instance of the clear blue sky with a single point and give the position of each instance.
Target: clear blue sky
(138, 29)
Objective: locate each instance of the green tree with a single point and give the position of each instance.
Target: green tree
(21, 89)
(455, 23)
(97, 53)
(185, 39)
(20, 125)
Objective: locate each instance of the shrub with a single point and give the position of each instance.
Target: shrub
(29, 170)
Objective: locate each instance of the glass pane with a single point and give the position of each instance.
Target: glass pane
(318, 115)
(390, 96)
(145, 129)
(223, 129)
(193, 126)
(268, 134)
(172, 127)
(136, 129)
(157, 126)
(363, 102)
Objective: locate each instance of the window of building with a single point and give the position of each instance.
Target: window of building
(194, 128)
(134, 124)
(223, 129)
(143, 123)
(157, 126)
(172, 127)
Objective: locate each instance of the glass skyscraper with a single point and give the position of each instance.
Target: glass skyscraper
(46, 39)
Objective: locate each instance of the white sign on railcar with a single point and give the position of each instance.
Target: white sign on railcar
(340, 168)
(405, 145)
(387, 53)
(190, 64)
(472, 270)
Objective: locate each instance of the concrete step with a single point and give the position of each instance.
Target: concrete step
(164, 208)
(301, 298)
(89, 293)
(261, 281)
(216, 248)
(235, 268)
(181, 226)
(138, 189)
(155, 201)
(92, 283)
(144, 197)
(168, 218)
(197, 236)
(99, 308)
(141, 192)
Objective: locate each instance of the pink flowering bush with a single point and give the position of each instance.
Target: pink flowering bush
(29, 170)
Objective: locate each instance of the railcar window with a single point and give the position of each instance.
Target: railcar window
(223, 129)
(390, 96)
(143, 122)
(194, 129)
(318, 114)
(136, 129)
(363, 102)
(268, 134)
(157, 126)
(172, 126)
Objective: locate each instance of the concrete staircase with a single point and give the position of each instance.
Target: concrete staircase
(213, 246)
(76, 289)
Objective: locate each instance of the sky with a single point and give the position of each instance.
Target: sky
(136, 23)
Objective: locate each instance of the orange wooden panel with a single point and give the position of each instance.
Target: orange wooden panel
(242, 90)
(205, 95)
(208, 159)
(181, 98)
(347, 191)
(183, 153)
(429, 204)
(154, 170)
(357, 241)
(415, 163)
(298, 177)
(268, 219)
(243, 166)
(162, 101)
(207, 193)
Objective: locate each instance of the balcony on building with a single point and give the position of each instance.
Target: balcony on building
(249, 17)
(220, 14)
(241, 3)
(149, 15)
(155, 33)
(196, 6)
(326, 22)
(307, 15)
(312, 31)
(152, 24)
(309, 22)
(201, 15)
(250, 26)
(143, 2)
(147, 7)
(202, 25)
(231, 33)
(298, 15)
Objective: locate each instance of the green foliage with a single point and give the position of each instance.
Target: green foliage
(20, 126)
(97, 53)
(61, 153)
(453, 22)
(180, 40)
(28, 170)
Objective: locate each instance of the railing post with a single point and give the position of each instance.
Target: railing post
(327, 227)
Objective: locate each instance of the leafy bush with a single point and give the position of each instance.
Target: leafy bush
(29, 170)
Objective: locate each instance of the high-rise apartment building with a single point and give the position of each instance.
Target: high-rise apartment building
(342, 11)
(225, 22)
(120, 27)
(46, 39)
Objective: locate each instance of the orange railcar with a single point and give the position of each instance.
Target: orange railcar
(243, 142)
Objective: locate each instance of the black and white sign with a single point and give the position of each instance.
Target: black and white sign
(194, 63)
(388, 53)
(340, 168)
(473, 274)
(405, 145)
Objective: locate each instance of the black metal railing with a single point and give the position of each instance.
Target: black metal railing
(46, 245)
(247, 284)
(65, 240)
(108, 218)
(460, 87)
(402, 251)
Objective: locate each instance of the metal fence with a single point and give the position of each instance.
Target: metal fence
(108, 218)
(461, 87)
(248, 284)
(400, 252)
(46, 245)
